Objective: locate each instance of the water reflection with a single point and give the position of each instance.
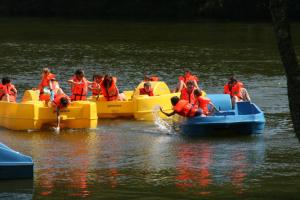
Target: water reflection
(200, 166)
(64, 160)
(78, 160)
(193, 168)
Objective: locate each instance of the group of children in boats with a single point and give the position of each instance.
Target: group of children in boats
(190, 103)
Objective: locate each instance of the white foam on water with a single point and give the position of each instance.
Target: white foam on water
(160, 123)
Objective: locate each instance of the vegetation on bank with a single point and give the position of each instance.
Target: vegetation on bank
(145, 9)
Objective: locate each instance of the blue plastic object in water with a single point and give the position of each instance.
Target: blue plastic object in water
(14, 165)
(246, 118)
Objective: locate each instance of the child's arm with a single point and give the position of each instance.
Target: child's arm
(167, 114)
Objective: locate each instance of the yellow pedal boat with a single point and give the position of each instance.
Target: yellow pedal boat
(32, 114)
(139, 107)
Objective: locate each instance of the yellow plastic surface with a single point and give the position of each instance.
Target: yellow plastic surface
(31, 114)
(136, 106)
(114, 109)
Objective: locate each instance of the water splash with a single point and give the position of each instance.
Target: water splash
(163, 125)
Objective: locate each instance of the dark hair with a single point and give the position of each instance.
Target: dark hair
(232, 80)
(5, 80)
(197, 92)
(64, 101)
(79, 72)
(95, 76)
(107, 81)
(174, 100)
(147, 84)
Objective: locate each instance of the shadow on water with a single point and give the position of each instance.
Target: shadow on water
(16, 189)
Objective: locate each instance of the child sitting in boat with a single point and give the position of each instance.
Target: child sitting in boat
(146, 90)
(187, 93)
(110, 90)
(183, 108)
(8, 91)
(203, 102)
(236, 91)
(79, 86)
(95, 86)
(188, 76)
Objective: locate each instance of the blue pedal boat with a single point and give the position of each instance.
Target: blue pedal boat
(246, 118)
(14, 165)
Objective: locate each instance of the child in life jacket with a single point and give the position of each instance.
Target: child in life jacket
(60, 101)
(95, 86)
(45, 86)
(204, 103)
(236, 90)
(146, 90)
(187, 93)
(79, 86)
(8, 91)
(183, 108)
(110, 90)
(182, 80)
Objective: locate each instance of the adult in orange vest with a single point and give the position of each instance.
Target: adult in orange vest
(110, 90)
(79, 86)
(187, 93)
(45, 86)
(8, 91)
(203, 102)
(60, 101)
(95, 86)
(183, 108)
(236, 91)
(188, 76)
(146, 90)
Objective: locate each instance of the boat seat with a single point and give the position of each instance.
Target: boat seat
(246, 108)
(221, 101)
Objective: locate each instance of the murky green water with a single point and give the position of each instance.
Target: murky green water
(125, 159)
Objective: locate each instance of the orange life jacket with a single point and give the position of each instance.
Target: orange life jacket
(79, 91)
(184, 108)
(45, 82)
(2, 92)
(202, 102)
(10, 90)
(151, 78)
(185, 79)
(111, 93)
(235, 90)
(57, 99)
(185, 95)
(144, 92)
(96, 90)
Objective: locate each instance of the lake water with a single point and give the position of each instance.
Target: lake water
(125, 159)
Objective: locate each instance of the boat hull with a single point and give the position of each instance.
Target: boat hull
(32, 114)
(245, 119)
(139, 107)
(14, 165)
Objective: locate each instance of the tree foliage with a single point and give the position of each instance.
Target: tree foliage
(144, 9)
